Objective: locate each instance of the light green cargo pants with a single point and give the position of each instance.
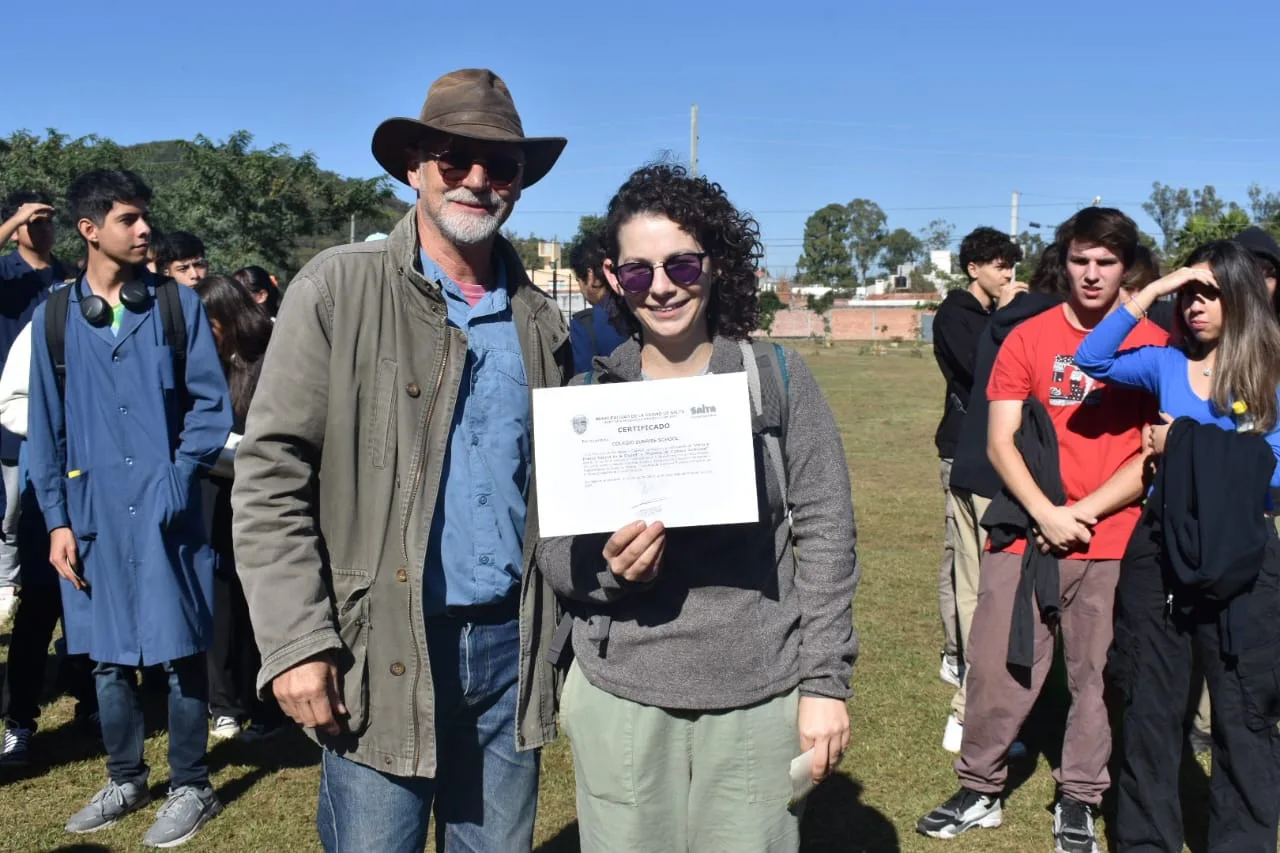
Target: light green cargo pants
(650, 779)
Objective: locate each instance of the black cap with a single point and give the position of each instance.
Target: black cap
(1259, 242)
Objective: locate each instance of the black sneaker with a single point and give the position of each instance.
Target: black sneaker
(1073, 827)
(964, 811)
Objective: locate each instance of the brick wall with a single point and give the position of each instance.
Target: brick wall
(850, 324)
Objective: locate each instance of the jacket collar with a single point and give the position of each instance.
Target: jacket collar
(403, 246)
(623, 365)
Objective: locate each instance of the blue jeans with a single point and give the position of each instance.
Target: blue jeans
(485, 794)
(123, 730)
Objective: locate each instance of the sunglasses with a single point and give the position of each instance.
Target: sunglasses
(454, 166)
(683, 269)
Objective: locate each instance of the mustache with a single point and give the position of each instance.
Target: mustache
(490, 199)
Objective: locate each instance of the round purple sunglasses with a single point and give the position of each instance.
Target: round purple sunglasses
(683, 269)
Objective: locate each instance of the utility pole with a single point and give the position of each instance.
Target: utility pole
(693, 140)
(353, 229)
(1013, 216)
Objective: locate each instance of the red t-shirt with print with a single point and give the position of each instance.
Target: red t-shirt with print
(1099, 426)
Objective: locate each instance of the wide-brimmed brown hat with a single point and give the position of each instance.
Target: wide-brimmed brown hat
(472, 103)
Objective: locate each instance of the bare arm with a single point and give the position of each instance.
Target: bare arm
(1063, 528)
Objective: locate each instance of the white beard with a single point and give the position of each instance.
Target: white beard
(469, 229)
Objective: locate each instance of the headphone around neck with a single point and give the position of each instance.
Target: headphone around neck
(98, 312)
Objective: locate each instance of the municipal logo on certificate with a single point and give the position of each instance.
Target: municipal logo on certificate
(579, 424)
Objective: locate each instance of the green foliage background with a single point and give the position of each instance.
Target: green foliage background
(249, 206)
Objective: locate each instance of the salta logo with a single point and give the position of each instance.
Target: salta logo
(579, 424)
(702, 410)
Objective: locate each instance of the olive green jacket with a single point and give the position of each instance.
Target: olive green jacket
(336, 484)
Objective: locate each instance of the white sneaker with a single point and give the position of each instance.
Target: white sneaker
(225, 728)
(8, 603)
(953, 735)
(951, 670)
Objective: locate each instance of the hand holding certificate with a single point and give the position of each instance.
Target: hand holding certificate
(677, 451)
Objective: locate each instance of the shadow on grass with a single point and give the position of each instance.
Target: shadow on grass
(69, 743)
(81, 848)
(835, 821)
(289, 748)
(564, 841)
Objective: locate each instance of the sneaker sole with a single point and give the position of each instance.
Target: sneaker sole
(990, 821)
(177, 842)
(216, 735)
(1058, 848)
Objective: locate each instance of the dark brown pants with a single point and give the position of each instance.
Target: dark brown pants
(1000, 701)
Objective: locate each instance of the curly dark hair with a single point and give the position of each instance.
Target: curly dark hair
(700, 207)
(987, 245)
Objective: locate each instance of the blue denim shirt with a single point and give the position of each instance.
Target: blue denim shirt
(476, 547)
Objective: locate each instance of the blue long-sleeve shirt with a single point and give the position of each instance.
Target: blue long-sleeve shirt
(475, 550)
(1161, 371)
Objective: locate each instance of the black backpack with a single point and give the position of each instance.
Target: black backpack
(175, 334)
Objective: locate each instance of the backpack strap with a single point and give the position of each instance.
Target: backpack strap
(55, 332)
(175, 335)
(755, 355)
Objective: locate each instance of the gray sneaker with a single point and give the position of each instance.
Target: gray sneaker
(108, 806)
(180, 818)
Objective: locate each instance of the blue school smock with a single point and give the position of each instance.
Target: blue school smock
(127, 485)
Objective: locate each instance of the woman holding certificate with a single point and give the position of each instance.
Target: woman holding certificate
(708, 660)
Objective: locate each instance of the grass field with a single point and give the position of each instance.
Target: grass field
(895, 770)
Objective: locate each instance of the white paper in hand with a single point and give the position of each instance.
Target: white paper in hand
(801, 777)
(677, 451)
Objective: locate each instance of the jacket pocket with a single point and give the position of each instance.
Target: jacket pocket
(384, 395)
(353, 664)
(80, 511)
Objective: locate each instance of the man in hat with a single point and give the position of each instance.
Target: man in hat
(383, 512)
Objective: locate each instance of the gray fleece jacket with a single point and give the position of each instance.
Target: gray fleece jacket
(735, 615)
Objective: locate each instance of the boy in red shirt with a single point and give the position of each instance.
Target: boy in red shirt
(1099, 443)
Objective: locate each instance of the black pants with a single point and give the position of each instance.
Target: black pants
(1152, 663)
(39, 610)
(233, 658)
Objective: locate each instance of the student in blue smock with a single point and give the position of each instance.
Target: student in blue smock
(1223, 371)
(115, 457)
(591, 331)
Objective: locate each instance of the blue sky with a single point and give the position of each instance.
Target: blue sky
(929, 108)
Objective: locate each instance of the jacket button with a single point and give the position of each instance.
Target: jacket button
(402, 575)
(397, 669)
(413, 389)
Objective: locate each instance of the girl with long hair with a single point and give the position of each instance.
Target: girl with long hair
(1173, 603)
(707, 659)
(242, 330)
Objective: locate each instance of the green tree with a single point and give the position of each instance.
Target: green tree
(1207, 205)
(821, 305)
(1032, 246)
(255, 206)
(1265, 207)
(1168, 207)
(770, 305)
(48, 165)
(590, 226)
(899, 247)
(937, 235)
(527, 249)
(825, 259)
(1200, 230)
(866, 234)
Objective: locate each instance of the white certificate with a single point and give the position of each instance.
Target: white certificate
(677, 451)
